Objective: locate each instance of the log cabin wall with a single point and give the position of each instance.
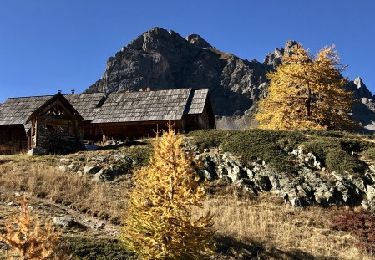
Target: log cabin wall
(130, 130)
(13, 139)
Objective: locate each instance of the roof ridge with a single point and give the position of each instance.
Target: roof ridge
(148, 91)
(30, 97)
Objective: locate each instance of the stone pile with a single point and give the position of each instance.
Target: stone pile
(104, 167)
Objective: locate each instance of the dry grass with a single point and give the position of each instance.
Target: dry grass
(103, 200)
(267, 222)
(276, 226)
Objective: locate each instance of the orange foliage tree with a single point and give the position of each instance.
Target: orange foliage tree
(306, 92)
(159, 223)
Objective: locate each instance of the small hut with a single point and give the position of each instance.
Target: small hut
(43, 124)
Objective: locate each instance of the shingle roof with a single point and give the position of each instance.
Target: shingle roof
(86, 104)
(169, 104)
(158, 105)
(16, 111)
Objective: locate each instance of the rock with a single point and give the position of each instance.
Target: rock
(62, 168)
(91, 169)
(234, 173)
(64, 222)
(370, 193)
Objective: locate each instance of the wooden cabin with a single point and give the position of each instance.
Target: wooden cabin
(39, 125)
(137, 114)
(59, 123)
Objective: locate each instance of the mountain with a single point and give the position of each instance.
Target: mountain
(162, 59)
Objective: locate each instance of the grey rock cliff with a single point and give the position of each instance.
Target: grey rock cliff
(160, 59)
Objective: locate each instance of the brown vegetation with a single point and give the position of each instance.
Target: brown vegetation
(27, 239)
(361, 225)
(290, 231)
(103, 200)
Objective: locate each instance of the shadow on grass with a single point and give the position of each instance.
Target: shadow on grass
(226, 248)
(229, 248)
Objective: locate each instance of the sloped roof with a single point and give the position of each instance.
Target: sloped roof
(16, 111)
(86, 104)
(158, 105)
(61, 98)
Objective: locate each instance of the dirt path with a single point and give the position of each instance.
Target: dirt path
(46, 209)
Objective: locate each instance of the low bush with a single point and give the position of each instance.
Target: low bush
(341, 162)
(337, 154)
(369, 154)
(360, 224)
(140, 155)
(250, 145)
(336, 150)
(96, 248)
(321, 147)
(209, 139)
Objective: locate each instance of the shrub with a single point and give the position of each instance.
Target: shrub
(361, 224)
(340, 161)
(158, 223)
(140, 155)
(28, 239)
(369, 154)
(209, 139)
(250, 145)
(333, 148)
(321, 147)
(337, 154)
(97, 248)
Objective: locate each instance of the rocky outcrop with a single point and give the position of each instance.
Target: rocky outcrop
(161, 59)
(312, 184)
(105, 167)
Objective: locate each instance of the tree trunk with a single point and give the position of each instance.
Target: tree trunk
(308, 103)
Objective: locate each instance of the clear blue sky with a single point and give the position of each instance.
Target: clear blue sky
(46, 45)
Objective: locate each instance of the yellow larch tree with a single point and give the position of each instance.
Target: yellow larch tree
(159, 223)
(28, 240)
(306, 92)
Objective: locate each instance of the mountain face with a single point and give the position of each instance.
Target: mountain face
(161, 59)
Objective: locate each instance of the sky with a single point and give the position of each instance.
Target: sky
(51, 45)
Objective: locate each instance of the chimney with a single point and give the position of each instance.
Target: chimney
(59, 91)
(73, 90)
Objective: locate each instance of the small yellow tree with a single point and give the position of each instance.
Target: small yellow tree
(27, 239)
(306, 92)
(159, 222)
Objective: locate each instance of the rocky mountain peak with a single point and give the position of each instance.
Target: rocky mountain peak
(162, 59)
(197, 40)
(359, 89)
(274, 58)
